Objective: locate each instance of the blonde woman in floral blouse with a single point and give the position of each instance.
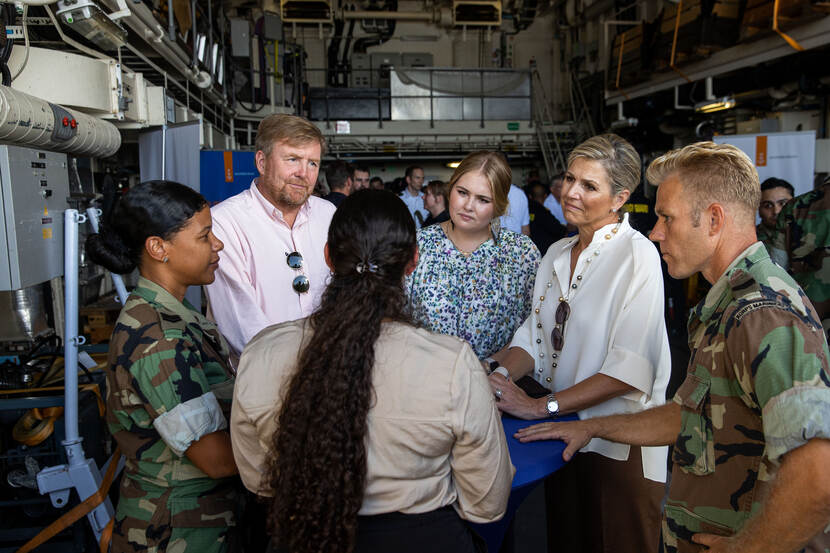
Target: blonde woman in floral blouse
(474, 280)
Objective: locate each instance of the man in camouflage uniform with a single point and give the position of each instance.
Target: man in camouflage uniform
(750, 424)
(169, 385)
(801, 244)
(775, 193)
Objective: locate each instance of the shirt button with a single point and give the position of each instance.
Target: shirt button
(547, 379)
(541, 355)
(538, 341)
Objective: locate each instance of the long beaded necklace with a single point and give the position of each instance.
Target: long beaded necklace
(567, 297)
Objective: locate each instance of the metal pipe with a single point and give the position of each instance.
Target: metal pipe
(71, 341)
(92, 214)
(401, 16)
(171, 25)
(31, 121)
(163, 152)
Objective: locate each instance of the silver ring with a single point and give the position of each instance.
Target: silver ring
(499, 393)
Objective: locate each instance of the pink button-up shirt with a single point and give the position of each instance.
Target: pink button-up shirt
(253, 289)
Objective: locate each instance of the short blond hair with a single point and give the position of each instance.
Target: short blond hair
(292, 129)
(616, 155)
(711, 172)
(493, 167)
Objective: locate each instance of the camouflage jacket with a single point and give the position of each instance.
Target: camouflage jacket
(765, 235)
(757, 387)
(165, 357)
(802, 245)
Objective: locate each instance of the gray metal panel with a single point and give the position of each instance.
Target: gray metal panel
(35, 188)
(361, 71)
(416, 59)
(456, 95)
(272, 26)
(240, 38)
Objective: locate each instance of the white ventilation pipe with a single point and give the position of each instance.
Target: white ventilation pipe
(26, 120)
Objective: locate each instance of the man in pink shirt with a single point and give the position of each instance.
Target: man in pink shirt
(273, 267)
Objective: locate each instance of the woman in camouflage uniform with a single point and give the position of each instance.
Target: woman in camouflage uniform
(169, 383)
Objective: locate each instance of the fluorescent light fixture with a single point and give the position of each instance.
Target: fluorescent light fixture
(88, 19)
(453, 164)
(715, 104)
(712, 104)
(201, 42)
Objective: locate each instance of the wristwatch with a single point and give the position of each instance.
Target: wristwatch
(552, 405)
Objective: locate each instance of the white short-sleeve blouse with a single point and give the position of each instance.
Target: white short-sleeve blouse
(616, 327)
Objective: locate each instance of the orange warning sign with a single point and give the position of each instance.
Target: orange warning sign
(760, 151)
(228, 158)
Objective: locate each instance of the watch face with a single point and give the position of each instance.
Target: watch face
(553, 406)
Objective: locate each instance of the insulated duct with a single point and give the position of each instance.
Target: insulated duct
(26, 120)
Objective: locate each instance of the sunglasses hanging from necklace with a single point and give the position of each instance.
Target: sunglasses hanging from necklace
(563, 310)
(295, 261)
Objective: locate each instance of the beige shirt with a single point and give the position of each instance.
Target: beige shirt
(434, 434)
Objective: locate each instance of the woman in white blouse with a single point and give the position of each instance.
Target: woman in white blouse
(597, 339)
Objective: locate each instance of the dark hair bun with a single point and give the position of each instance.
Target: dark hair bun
(108, 250)
(153, 208)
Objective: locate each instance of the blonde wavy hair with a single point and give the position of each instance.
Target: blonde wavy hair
(493, 166)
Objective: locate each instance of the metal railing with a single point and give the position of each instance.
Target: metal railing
(431, 99)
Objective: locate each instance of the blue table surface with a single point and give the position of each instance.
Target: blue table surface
(533, 460)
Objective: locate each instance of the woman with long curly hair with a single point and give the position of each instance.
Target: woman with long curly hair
(377, 435)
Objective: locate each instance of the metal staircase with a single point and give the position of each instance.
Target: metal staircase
(546, 131)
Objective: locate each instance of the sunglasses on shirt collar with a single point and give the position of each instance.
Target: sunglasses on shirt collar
(295, 261)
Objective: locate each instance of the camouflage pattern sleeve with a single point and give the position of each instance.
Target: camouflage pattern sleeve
(780, 361)
(776, 242)
(175, 394)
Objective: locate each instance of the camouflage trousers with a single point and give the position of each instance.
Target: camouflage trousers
(151, 519)
(129, 537)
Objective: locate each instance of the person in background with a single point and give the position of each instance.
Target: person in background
(273, 268)
(553, 201)
(517, 217)
(474, 280)
(169, 383)
(412, 195)
(376, 183)
(436, 200)
(407, 442)
(360, 176)
(545, 229)
(597, 339)
(339, 179)
(775, 193)
(750, 423)
(801, 244)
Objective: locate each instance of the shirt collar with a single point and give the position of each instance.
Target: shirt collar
(601, 233)
(272, 212)
(155, 294)
(720, 294)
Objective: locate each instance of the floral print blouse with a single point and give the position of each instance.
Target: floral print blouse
(482, 298)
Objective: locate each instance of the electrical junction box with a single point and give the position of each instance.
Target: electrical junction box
(381, 64)
(361, 71)
(34, 188)
(416, 60)
(240, 38)
(272, 26)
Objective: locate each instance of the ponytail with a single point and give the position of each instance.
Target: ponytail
(318, 469)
